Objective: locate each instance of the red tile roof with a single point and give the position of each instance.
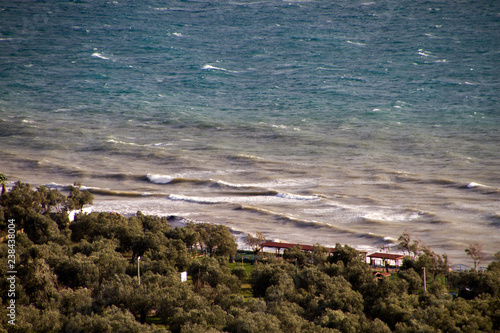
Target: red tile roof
(389, 256)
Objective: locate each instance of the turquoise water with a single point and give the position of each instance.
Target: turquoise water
(310, 121)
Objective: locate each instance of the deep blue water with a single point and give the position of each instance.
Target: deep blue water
(371, 107)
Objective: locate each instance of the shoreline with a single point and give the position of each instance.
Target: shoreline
(239, 235)
(283, 227)
(179, 221)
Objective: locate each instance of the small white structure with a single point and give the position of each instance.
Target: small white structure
(72, 213)
(184, 276)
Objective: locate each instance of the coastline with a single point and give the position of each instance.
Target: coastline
(391, 246)
(282, 227)
(146, 274)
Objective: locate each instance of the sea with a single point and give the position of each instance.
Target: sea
(311, 121)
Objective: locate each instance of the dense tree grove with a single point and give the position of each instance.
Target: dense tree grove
(81, 276)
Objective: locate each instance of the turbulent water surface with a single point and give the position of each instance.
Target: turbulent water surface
(310, 121)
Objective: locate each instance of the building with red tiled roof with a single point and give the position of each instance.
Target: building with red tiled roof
(383, 258)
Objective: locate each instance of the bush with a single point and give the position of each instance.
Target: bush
(239, 272)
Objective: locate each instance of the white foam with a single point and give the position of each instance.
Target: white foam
(389, 216)
(296, 196)
(423, 53)
(100, 56)
(355, 43)
(286, 127)
(159, 179)
(86, 188)
(202, 200)
(474, 184)
(122, 142)
(157, 144)
(62, 110)
(56, 186)
(251, 157)
(210, 67)
(221, 182)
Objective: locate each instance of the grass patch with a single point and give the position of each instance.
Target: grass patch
(247, 266)
(246, 287)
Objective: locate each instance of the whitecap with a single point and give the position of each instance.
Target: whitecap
(99, 55)
(56, 186)
(178, 197)
(210, 67)
(356, 43)
(221, 182)
(122, 142)
(296, 196)
(474, 184)
(62, 110)
(250, 157)
(159, 179)
(424, 53)
(88, 188)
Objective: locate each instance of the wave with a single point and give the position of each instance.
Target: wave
(250, 157)
(356, 43)
(236, 198)
(159, 179)
(296, 196)
(167, 179)
(104, 191)
(231, 185)
(424, 53)
(285, 127)
(100, 56)
(210, 67)
(198, 200)
(257, 191)
(232, 190)
(157, 144)
(393, 218)
(471, 185)
(474, 185)
(285, 218)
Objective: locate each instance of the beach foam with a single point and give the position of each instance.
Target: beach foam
(159, 179)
